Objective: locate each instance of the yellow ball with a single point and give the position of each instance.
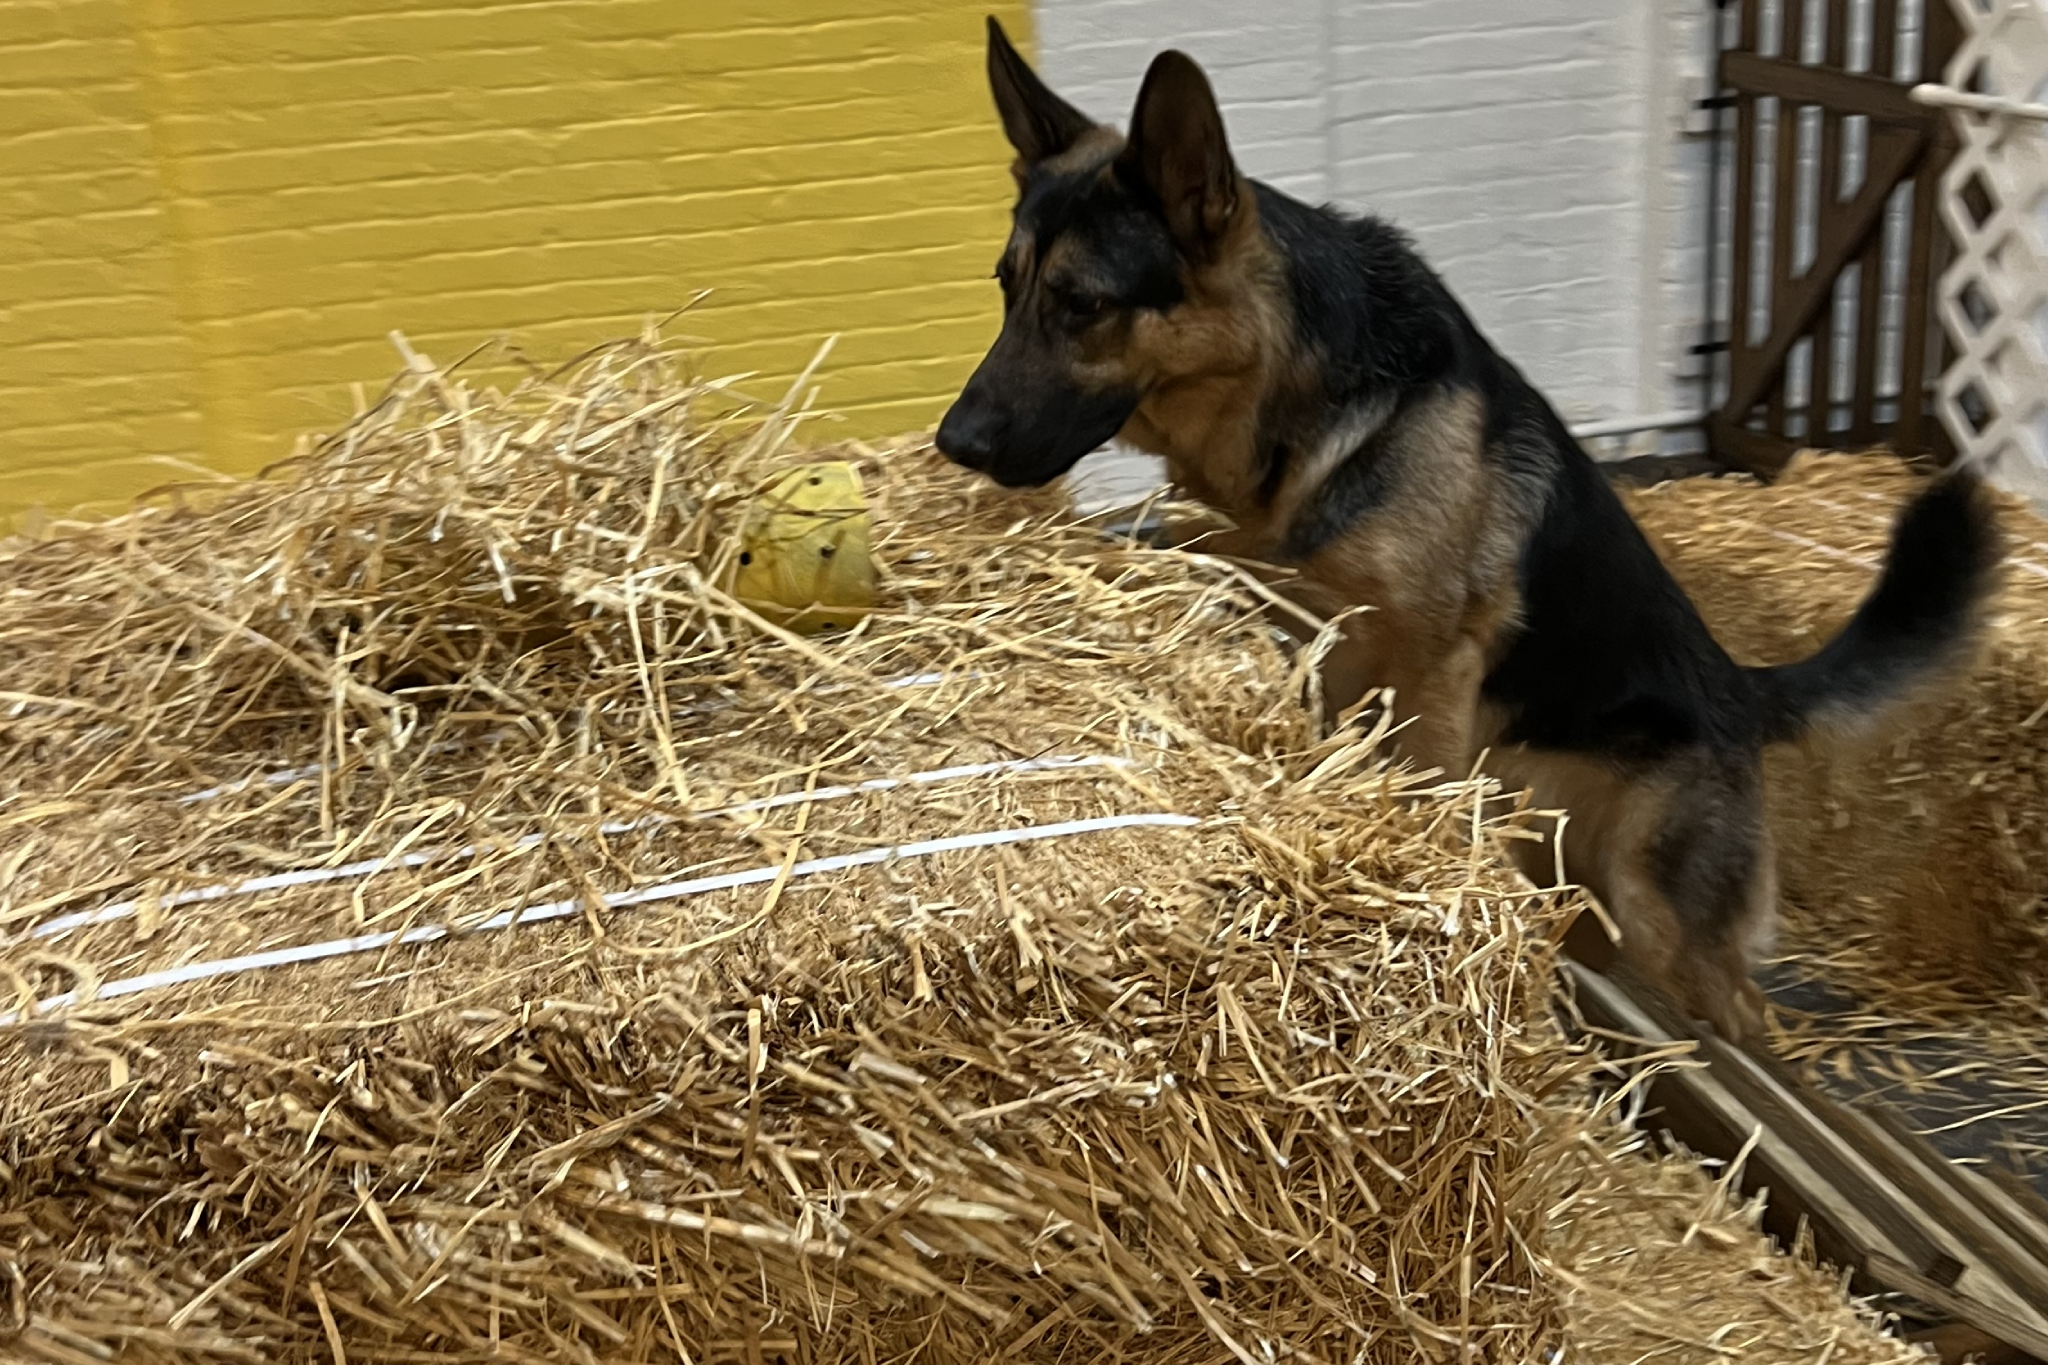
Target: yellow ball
(805, 559)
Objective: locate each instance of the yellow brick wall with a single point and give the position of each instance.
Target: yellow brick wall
(95, 367)
(212, 214)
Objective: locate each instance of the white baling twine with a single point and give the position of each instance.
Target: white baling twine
(1807, 543)
(617, 900)
(369, 867)
(2017, 561)
(1846, 556)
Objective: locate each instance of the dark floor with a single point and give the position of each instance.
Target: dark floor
(1644, 470)
(1977, 1105)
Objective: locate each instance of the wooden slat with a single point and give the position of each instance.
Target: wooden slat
(1743, 211)
(1784, 207)
(2025, 1260)
(1885, 101)
(1779, 1106)
(1784, 247)
(1884, 39)
(1894, 152)
(2021, 1193)
(1695, 1110)
(1939, 43)
(1905, 1159)
(1869, 335)
(1810, 1160)
(1904, 1280)
(1917, 318)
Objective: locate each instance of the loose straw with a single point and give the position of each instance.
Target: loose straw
(282, 776)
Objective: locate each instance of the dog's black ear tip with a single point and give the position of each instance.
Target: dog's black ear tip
(1177, 78)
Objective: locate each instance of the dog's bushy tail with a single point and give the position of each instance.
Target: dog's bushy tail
(1918, 621)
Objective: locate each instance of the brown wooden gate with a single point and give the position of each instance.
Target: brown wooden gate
(1829, 329)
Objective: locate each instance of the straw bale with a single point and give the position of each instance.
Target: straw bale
(1915, 855)
(1260, 1066)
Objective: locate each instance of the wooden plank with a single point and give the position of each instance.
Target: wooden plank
(1884, 39)
(1944, 34)
(2013, 1222)
(2020, 1192)
(1903, 1279)
(1697, 1120)
(1911, 1166)
(1784, 253)
(1894, 153)
(1785, 1111)
(1761, 453)
(1869, 337)
(1917, 314)
(1702, 1116)
(1846, 92)
(1708, 1109)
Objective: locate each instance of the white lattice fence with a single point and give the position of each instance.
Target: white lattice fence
(1994, 295)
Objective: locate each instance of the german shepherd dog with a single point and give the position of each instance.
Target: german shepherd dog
(1306, 376)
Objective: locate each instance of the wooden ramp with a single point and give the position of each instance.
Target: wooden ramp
(1960, 1254)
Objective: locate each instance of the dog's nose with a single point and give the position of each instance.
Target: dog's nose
(968, 433)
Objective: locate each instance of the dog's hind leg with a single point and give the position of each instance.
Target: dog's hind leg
(1679, 861)
(1710, 860)
(1703, 968)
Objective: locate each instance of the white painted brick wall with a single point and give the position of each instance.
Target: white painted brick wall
(1536, 149)
(1270, 64)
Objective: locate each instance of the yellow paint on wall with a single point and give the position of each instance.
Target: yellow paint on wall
(211, 216)
(96, 384)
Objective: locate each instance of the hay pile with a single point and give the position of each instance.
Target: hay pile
(1657, 1262)
(1918, 858)
(443, 925)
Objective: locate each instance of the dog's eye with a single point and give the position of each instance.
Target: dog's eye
(1083, 306)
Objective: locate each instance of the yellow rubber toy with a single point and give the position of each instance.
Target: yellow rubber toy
(805, 556)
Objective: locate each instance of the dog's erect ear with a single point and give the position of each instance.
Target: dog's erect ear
(1038, 123)
(1178, 150)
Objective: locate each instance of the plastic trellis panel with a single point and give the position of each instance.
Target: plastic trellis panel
(1993, 297)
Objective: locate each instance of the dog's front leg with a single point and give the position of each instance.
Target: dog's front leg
(1434, 685)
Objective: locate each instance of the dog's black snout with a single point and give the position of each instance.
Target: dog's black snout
(970, 432)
